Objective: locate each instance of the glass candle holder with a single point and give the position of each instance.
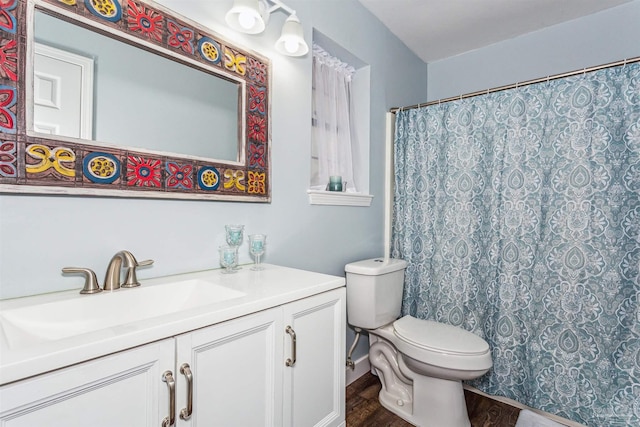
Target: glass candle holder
(257, 243)
(233, 234)
(335, 183)
(228, 258)
(233, 237)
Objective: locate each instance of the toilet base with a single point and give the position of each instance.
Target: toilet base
(418, 399)
(436, 403)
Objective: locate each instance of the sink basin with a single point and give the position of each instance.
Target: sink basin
(86, 313)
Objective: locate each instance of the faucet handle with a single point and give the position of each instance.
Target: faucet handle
(131, 280)
(90, 280)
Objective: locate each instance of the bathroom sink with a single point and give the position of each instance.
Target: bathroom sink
(80, 314)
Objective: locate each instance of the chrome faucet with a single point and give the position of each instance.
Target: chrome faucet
(126, 260)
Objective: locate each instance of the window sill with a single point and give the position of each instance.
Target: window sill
(317, 197)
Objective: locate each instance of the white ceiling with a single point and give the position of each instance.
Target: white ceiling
(437, 29)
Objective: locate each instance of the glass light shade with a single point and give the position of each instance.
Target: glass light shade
(291, 42)
(248, 16)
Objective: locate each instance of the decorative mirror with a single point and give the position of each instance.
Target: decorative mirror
(126, 98)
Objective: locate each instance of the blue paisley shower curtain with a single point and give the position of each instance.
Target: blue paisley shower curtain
(519, 215)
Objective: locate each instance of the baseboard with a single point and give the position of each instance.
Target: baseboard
(361, 367)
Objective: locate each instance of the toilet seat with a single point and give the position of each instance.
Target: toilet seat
(439, 337)
(441, 345)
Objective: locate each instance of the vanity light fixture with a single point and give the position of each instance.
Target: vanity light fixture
(252, 16)
(291, 42)
(248, 16)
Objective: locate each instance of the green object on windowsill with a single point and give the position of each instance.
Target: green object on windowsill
(335, 183)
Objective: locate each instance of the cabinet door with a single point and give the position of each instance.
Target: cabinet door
(314, 385)
(124, 390)
(236, 372)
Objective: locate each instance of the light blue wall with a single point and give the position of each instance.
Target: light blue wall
(41, 234)
(601, 38)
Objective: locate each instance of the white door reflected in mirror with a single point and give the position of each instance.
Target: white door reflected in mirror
(63, 93)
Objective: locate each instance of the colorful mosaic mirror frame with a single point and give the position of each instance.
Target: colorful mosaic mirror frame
(40, 164)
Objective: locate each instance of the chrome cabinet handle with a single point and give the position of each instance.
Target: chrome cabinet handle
(167, 377)
(185, 370)
(292, 333)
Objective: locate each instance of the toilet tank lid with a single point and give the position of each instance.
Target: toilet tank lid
(376, 266)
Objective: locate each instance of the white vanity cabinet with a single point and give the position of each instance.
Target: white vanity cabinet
(314, 387)
(236, 370)
(250, 372)
(244, 372)
(123, 389)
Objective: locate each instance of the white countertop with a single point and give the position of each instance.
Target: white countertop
(264, 289)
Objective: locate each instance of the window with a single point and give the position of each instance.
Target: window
(340, 126)
(331, 138)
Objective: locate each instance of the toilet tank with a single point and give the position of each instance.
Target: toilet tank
(374, 292)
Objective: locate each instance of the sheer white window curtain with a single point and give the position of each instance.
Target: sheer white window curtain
(333, 137)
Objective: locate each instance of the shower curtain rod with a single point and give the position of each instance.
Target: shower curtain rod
(516, 85)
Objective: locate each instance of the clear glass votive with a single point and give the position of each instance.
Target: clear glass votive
(228, 258)
(257, 243)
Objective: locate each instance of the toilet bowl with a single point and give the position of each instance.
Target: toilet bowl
(420, 363)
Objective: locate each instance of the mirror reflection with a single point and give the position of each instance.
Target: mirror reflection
(97, 88)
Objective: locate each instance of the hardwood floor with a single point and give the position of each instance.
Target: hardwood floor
(364, 410)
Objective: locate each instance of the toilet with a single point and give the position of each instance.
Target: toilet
(420, 363)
